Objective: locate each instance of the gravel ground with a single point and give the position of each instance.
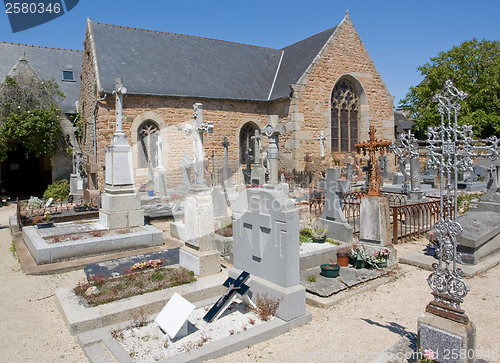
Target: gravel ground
(32, 329)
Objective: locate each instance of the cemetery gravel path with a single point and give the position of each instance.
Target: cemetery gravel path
(32, 330)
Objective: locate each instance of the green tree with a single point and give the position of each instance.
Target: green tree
(474, 67)
(29, 115)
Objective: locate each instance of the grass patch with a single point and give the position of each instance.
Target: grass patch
(106, 290)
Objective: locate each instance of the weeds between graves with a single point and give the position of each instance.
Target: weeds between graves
(266, 307)
(98, 290)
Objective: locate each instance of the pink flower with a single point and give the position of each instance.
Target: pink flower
(429, 354)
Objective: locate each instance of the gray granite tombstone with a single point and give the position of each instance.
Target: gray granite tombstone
(332, 220)
(384, 165)
(266, 244)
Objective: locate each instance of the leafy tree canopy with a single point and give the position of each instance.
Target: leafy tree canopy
(474, 67)
(29, 115)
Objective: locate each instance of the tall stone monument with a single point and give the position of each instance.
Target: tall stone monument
(321, 139)
(199, 254)
(374, 209)
(227, 180)
(121, 206)
(332, 220)
(272, 130)
(258, 175)
(160, 180)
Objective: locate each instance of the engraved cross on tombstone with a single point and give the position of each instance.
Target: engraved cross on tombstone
(197, 129)
(260, 228)
(272, 130)
(321, 139)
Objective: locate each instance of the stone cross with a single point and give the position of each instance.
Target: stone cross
(159, 153)
(226, 170)
(248, 159)
(321, 139)
(256, 140)
(349, 172)
(119, 92)
(334, 188)
(197, 129)
(493, 168)
(272, 130)
(372, 147)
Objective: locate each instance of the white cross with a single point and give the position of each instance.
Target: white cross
(261, 227)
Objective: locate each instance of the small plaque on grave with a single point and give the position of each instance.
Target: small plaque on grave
(234, 287)
(173, 317)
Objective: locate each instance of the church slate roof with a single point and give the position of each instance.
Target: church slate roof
(48, 63)
(158, 63)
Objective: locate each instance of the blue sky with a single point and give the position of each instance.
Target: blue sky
(399, 35)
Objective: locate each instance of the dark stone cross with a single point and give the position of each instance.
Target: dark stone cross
(234, 288)
(226, 170)
(372, 147)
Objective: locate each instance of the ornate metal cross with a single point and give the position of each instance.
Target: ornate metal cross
(451, 149)
(372, 147)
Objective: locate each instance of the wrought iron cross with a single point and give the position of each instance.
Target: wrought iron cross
(372, 147)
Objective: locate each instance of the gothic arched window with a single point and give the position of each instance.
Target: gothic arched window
(146, 144)
(246, 132)
(344, 113)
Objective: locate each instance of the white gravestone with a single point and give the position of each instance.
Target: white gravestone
(174, 316)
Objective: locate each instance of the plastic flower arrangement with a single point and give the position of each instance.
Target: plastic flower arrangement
(381, 256)
(146, 264)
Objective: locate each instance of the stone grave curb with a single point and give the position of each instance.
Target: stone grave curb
(44, 252)
(326, 302)
(100, 347)
(419, 259)
(315, 258)
(31, 268)
(79, 318)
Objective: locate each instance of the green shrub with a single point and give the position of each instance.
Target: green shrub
(57, 190)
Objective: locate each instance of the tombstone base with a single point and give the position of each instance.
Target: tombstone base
(416, 196)
(292, 299)
(125, 219)
(198, 188)
(451, 341)
(160, 182)
(91, 195)
(201, 263)
(339, 231)
(487, 207)
(258, 176)
(375, 221)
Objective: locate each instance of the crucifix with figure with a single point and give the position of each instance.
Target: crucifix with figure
(372, 147)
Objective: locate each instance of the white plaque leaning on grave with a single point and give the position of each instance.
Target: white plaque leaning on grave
(172, 319)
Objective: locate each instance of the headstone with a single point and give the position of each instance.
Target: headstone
(258, 173)
(219, 201)
(160, 179)
(272, 130)
(332, 220)
(121, 207)
(398, 178)
(384, 165)
(76, 186)
(199, 253)
(374, 221)
(235, 287)
(226, 170)
(349, 173)
(479, 171)
(173, 318)
(197, 129)
(92, 193)
(266, 245)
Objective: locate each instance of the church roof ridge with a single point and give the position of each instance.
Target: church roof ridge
(185, 35)
(41, 47)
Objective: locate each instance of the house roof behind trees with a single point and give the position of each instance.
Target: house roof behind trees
(49, 64)
(157, 63)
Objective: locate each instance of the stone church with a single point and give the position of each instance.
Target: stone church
(327, 82)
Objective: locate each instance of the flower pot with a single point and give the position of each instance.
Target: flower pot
(352, 260)
(329, 270)
(343, 259)
(151, 193)
(360, 264)
(319, 239)
(45, 225)
(79, 208)
(382, 264)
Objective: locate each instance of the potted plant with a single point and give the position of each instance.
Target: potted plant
(331, 269)
(361, 257)
(380, 258)
(353, 255)
(305, 235)
(343, 256)
(79, 208)
(45, 222)
(318, 235)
